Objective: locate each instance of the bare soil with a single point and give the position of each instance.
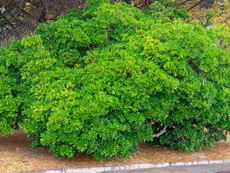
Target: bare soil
(16, 156)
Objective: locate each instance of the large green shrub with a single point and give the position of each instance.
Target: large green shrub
(104, 79)
(8, 101)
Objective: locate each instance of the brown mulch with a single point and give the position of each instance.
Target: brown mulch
(17, 156)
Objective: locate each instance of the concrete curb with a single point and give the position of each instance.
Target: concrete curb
(133, 167)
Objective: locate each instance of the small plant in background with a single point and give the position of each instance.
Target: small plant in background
(207, 22)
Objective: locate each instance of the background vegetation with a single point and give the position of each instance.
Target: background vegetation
(21, 17)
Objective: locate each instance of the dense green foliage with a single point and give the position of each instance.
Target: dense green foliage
(8, 102)
(108, 77)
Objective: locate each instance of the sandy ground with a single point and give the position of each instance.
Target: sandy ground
(17, 156)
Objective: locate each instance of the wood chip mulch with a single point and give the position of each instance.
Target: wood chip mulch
(17, 156)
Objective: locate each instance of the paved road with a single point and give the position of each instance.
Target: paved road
(215, 168)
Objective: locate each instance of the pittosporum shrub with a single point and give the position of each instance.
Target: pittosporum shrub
(111, 76)
(8, 100)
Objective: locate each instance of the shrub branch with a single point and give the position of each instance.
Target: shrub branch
(160, 133)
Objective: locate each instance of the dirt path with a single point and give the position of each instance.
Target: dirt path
(17, 156)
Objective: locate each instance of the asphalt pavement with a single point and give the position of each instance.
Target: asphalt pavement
(214, 168)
